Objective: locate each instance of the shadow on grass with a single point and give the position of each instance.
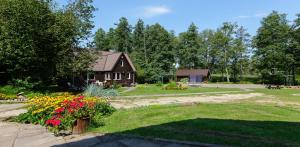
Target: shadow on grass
(218, 131)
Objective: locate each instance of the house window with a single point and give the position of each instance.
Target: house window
(128, 75)
(107, 76)
(122, 63)
(117, 76)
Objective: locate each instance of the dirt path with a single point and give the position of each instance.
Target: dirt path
(129, 103)
(175, 94)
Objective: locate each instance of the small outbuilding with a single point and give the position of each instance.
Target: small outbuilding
(193, 75)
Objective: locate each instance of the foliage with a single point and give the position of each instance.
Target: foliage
(189, 48)
(175, 86)
(97, 91)
(7, 97)
(25, 84)
(43, 49)
(184, 80)
(122, 36)
(60, 112)
(100, 40)
(272, 47)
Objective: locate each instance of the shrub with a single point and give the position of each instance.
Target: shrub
(175, 86)
(159, 84)
(116, 85)
(97, 91)
(184, 80)
(25, 84)
(7, 97)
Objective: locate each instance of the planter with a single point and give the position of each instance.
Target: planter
(80, 125)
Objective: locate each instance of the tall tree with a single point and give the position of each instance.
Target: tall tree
(239, 53)
(122, 36)
(225, 43)
(189, 45)
(208, 50)
(37, 40)
(160, 53)
(138, 43)
(271, 44)
(100, 40)
(295, 47)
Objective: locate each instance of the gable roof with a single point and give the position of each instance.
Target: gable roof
(193, 72)
(107, 60)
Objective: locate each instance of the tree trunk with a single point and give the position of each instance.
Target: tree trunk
(227, 74)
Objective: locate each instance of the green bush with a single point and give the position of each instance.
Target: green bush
(94, 90)
(25, 84)
(7, 97)
(159, 84)
(175, 86)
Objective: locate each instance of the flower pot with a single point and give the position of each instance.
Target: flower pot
(80, 125)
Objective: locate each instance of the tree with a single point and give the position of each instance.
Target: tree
(100, 40)
(138, 42)
(295, 47)
(239, 52)
(122, 36)
(271, 46)
(161, 56)
(189, 45)
(37, 40)
(209, 51)
(82, 11)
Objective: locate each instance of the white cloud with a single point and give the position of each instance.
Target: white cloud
(155, 11)
(257, 15)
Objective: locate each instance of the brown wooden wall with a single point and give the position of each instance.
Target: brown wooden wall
(120, 69)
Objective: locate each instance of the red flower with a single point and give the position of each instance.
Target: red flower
(81, 104)
(60, 110)
(54, 122)
(78, 98)
(70, 110)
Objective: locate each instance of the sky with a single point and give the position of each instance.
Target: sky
(177, 15)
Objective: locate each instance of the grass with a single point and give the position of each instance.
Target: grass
(242, 123)
(153, 90)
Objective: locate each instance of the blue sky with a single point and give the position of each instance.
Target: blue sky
(177, 15)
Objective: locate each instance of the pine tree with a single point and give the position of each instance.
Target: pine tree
(189, 48)
(122, 36)
(100, 40)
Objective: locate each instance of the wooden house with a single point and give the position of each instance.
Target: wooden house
(113, 67)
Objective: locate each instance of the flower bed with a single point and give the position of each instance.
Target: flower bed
(60, 113)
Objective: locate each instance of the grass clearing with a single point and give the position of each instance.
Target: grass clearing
(230, 124)
(239, 123)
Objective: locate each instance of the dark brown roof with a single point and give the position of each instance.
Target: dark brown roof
(188, 72)
(108, 60)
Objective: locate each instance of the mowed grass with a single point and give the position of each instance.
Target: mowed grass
(227, 124)
(150, 89)
(243, 123)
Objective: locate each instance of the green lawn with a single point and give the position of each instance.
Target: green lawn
(243, 123)
(150, 89)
